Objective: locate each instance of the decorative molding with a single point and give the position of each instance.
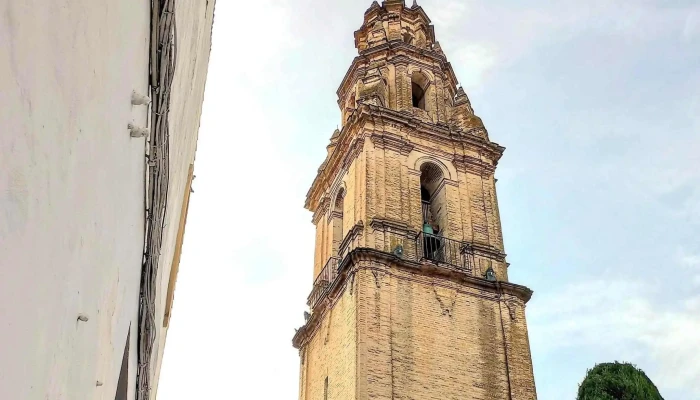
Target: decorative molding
(388, 225)
(321, 210)
(353, 234)
(350, 145)
(488, 252)
(447, 298)
(467, 163)
(391, 142)
(333, 215)
(396, 53)
(371, 259)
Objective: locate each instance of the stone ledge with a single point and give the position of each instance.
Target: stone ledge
(345, 269)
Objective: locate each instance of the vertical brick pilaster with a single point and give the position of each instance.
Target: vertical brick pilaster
(403, 88)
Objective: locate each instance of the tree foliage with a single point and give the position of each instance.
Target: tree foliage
(617, 381)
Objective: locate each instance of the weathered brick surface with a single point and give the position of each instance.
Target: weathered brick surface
(408, 329)
(332, 354)
(428, 338)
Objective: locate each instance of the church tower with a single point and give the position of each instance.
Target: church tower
(411, 297)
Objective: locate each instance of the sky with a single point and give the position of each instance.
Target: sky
(598, 105)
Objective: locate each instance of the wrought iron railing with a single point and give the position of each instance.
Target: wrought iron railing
(440, 249)
(323, 281)
(424, 247)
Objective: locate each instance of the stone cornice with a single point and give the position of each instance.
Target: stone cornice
(391, 142)
(488, 251)
(393, 49)
(353, 234)
(352, 263)
(321, 210)
(351, 142)
(435, 132)
(347, 150)
(334, 214)
(389, 225)
(474, 165)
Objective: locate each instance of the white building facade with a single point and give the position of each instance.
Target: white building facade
(85, 206)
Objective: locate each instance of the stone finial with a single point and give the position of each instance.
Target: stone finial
(438, 49)
(335, 135)
(463, 117)
(415, 4)
(461, 96)
(372, 7)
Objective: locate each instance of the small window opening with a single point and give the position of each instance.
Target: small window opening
(325, 389)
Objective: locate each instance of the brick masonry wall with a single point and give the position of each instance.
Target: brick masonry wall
(416, 337)
(332, 353)
(427, 338)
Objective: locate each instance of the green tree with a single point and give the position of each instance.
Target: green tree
(617, 381)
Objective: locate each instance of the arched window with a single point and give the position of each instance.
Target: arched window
(433, 199)
(434, 210)
(337, 221)
(419, 88)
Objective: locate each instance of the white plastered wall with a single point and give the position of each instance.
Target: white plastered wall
(72, 187)
(71, 194)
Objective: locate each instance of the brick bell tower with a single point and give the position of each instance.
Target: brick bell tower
(411, 298)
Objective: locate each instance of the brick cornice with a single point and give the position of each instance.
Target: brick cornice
(390, 141)
(383, 117)
(466, 163)
(488, 251)
(390, 225)
(347, 150)
(351, 142)
(354, 233)
(363, 258)
(396, 52)
(321, 210)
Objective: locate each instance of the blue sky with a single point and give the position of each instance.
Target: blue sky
(598, 105)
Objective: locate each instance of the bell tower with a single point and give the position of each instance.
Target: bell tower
(411, 297)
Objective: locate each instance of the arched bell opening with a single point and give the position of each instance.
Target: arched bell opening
(434, 211)
(337, 221)
(419, 89)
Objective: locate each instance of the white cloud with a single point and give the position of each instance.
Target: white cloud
(253, 43)
(449, 13)
(475, 61)
(620, 319)
(691, 29)
(690, 260)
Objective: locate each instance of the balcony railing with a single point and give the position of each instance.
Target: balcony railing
(424, 247)
(440, 249)
(323, 281)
